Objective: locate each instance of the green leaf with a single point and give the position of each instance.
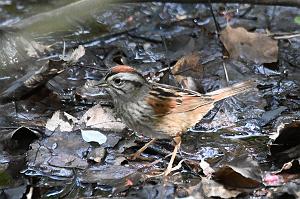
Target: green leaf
(297, 20)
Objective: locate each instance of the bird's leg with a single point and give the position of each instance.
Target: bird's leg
(177, 146)
(141, 150)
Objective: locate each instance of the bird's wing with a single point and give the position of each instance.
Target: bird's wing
(168, 99)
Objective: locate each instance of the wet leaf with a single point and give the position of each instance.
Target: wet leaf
(118, 177)
(21, 48)
(214, 189)
(242, 172)
(93, 136)
(286, 142)
(230, 177)
(180, 45)
(155, 191)
(256, 47)
(24, 137)
(14, 192)
(19, 139)
(25, 85)
(271, 115)
(58, 154)
(67, 161)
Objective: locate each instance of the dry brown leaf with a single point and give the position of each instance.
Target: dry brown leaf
(187, 69)
(102, 118)
(230, 177)
(256, 47)
(241, 172)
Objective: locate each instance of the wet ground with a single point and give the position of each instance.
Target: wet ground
(56, 142)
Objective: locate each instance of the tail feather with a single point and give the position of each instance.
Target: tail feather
(232, 90)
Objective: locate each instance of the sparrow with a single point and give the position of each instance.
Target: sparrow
(160, 111)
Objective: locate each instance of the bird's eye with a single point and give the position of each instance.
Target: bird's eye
(118, 81)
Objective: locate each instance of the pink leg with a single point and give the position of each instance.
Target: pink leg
(177, 146)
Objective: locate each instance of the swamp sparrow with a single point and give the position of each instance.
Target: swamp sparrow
(157, 110)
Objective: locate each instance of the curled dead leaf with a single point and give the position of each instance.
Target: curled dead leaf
(187, 69)
(241, 172)
(231, 177)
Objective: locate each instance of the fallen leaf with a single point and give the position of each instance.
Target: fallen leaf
(242, 172)
(108, 174)
(187, 70)
(214, 189)
(58, 154)
(230, 177)
(188, 66)
(61, 121)
(268, 116)
(93, 136)
(102, 118)
(285, 143)
(24, 86)
(73, 56)
(67, 161)
(256, 47)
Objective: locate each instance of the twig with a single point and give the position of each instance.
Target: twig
(225, 71)
(289, 36)
(218, 28)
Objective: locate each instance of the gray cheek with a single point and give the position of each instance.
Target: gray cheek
(111, 92)
(116, 93)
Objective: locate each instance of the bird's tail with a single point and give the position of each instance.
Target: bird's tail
(232, 90)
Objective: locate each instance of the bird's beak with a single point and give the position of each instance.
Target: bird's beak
(102, 83)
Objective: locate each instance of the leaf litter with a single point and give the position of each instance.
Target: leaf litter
(62, 162)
